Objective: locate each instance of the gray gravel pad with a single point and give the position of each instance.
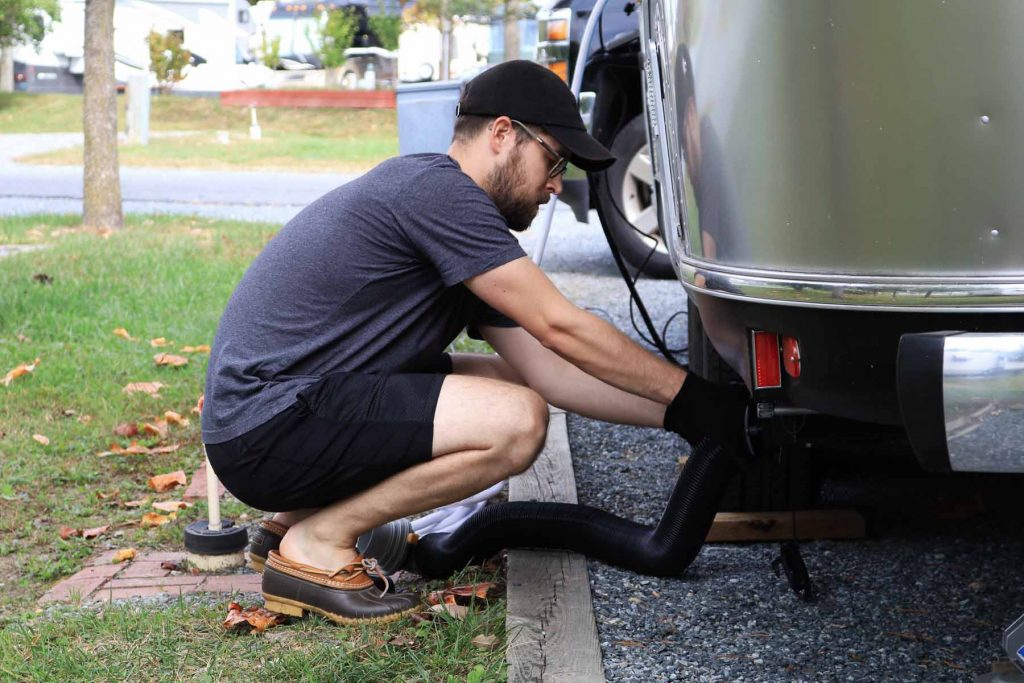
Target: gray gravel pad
(923, 598)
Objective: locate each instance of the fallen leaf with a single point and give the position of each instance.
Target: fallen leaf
(22, 338)
(94, 532)
(106, 496)
(202, 348)
(255, 619)
(154, 519)
(169, 359)
(41, 439)
(172, 505)
(170, 565)
(486, 642)
(68, 413)
(135, 503)
(198, 410)
(43, 279)
(166, 482)
(402, 641)
(123, 334)
(158, 428)
(67, 532)
(151, 388)
(84, 419)
(136, 449)
(123, 555)
(457, 611)
(176, 419)
(159, 341)
(463, 595)
(126, 429)
(19, 371)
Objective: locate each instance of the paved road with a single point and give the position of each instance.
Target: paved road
(273, 197)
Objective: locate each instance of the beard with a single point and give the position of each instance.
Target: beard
(503, 186)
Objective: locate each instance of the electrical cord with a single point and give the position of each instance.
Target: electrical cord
(655, 340)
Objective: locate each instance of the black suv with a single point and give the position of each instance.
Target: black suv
(612, 104)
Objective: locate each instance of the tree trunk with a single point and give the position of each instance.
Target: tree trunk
(6, 69)
(101, 192)
(446, 41)
(511, 29)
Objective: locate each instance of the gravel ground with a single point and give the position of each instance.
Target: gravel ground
(922, 598)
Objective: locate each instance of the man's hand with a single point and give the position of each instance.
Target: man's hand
(702, 408)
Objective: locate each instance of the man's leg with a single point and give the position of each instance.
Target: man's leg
(485, 430)
(488, 365)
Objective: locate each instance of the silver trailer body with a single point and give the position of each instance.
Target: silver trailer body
(837, 163)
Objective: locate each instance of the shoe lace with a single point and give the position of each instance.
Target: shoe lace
(368, 566)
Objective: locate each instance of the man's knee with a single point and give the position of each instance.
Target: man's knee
(528, 431)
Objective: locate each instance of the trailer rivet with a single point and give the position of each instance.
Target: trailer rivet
(985, 118)
(994, 232)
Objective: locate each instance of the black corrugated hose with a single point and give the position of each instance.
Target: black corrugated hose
(665, 550)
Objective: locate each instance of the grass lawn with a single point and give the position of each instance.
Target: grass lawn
(163, 277)
(321, 140)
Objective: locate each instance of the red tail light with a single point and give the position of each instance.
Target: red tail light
(767, 369)
(791, 356)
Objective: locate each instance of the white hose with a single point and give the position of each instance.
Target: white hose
(451, 516)
(577, 83)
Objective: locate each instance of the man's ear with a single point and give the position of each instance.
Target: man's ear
(501, 134)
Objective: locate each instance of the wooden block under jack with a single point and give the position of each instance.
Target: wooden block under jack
(803, 525)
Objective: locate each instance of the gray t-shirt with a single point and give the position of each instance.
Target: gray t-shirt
(368, 278)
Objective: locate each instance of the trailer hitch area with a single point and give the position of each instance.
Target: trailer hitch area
(792, 563)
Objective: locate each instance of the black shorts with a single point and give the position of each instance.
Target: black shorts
(342, 435)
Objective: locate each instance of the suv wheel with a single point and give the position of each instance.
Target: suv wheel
(626, 203)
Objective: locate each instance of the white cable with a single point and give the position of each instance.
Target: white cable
(577, 83)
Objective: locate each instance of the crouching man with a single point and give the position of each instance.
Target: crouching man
(330, 399)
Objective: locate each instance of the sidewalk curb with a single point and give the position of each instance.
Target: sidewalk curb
(552, 633)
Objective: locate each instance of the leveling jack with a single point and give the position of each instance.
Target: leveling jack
(213, 544)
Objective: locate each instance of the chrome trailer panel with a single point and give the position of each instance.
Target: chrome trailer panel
(832, 137)
(843, 172)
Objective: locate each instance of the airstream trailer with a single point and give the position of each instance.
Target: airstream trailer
(841, 190)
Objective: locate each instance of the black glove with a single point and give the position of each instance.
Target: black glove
(702, 408)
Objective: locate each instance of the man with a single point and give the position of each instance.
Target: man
(329, 398)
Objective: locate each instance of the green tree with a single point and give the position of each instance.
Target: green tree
(336, 34)
(386, 27)
(22, 21)
(26, 21)
(167, 57)
(270, 51)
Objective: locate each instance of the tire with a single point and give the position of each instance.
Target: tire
(782, 476)
(626, 203)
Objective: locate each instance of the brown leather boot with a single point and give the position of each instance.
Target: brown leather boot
(263, 538)
(346, 596)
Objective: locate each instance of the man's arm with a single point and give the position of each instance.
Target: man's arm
(522, 291)
(564, 385)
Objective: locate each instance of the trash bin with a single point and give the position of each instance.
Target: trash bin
(426, 115)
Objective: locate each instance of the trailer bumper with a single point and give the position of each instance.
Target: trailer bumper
(961, 396)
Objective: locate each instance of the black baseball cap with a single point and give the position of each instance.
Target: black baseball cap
(526, 91)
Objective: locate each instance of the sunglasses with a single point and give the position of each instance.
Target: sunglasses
(561, 162)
